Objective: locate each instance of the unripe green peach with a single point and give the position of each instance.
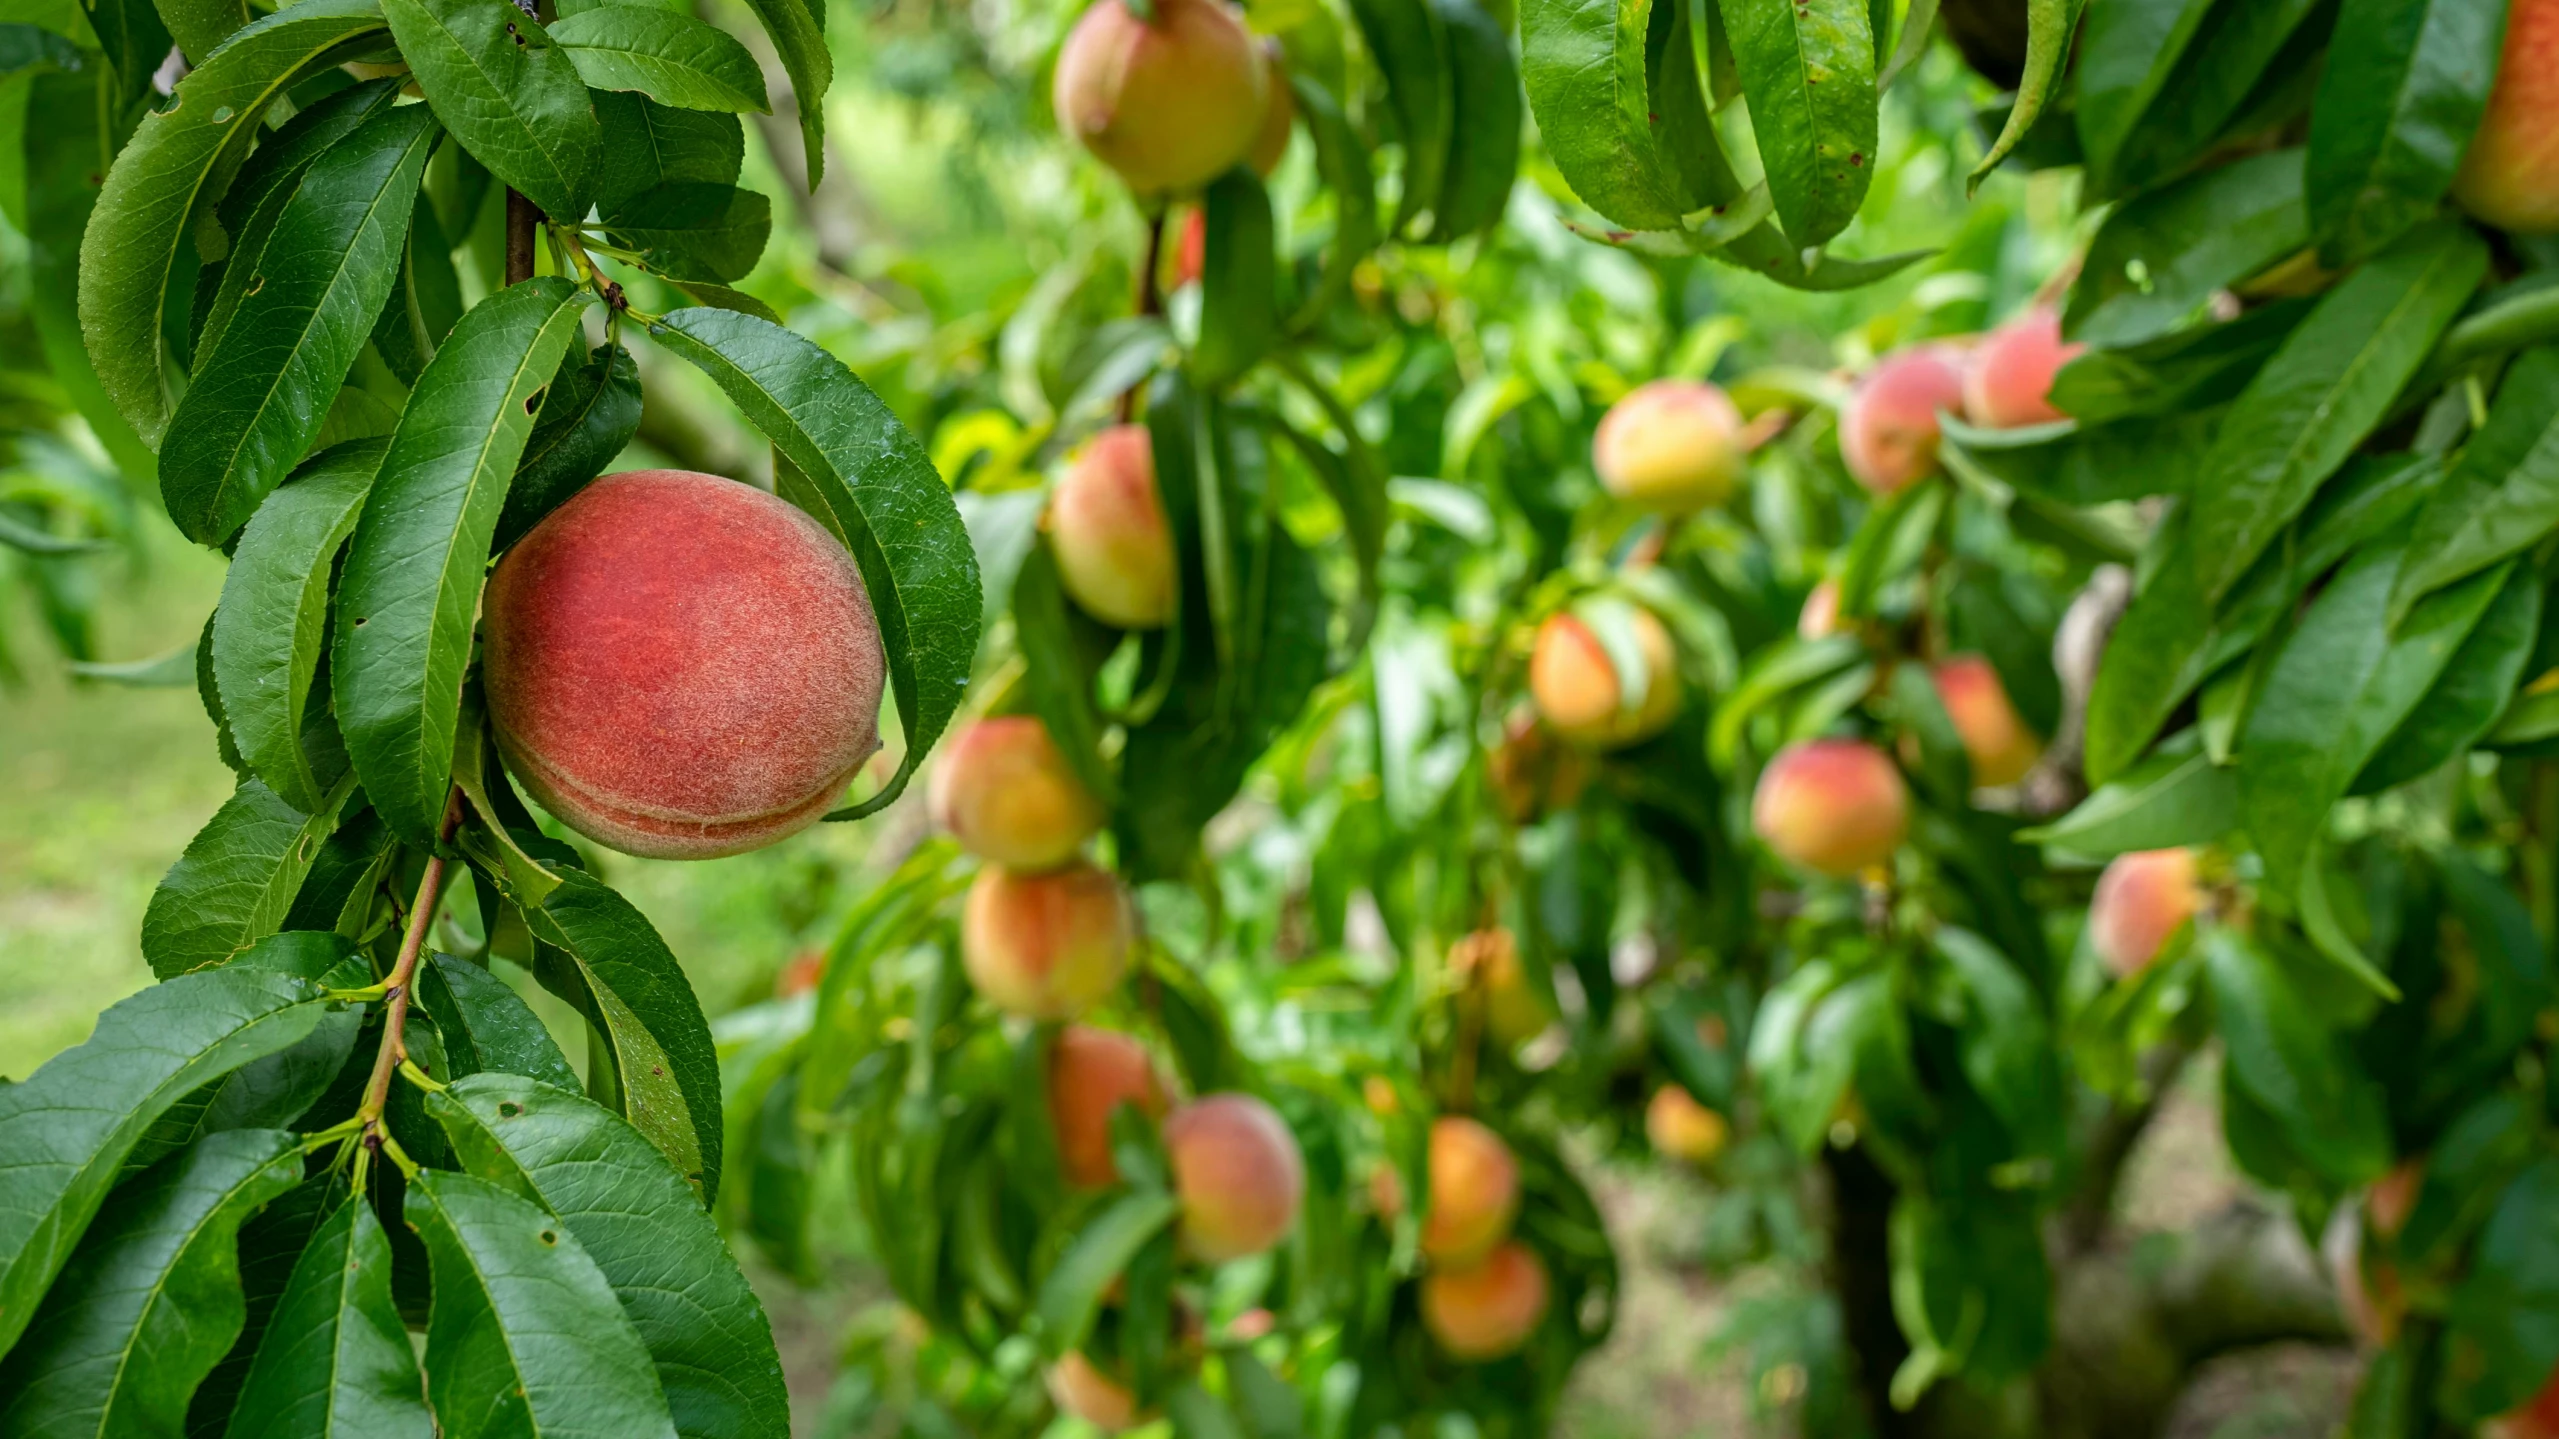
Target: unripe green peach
(2009, 382)
(1487, 1310)
(2142, 899)
(2509, 176)
(1045, 946)
(1576, 688)
(1995, 736)
(1681, 1128)
(1079, 1386)
(1106, 526)
(1474, 1191)
(1238, 1173)
(1091, 1073)
(1834, 806)
(1672, 446)
(1888, 430)
(681, 666)
(1002, 789)
(1171, 103)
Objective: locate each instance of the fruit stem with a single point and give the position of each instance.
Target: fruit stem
(396, 986)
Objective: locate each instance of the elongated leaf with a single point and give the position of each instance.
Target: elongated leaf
(798, 31)
(486, 1027)
(1808, 69)
(237, 879)
(656, 144)
(61, 191)
(345, 880)
(1342, 159)
(2403, 86)
(859, 471)
(1072, 1293)
(1059, 656)
(1583, 64)
(200, 26)
(25, 48)
(673, 59)
(2162, 804)
(2502, 495)
(411, 588)
(426, 298)
(1483, 143)
(2159, 256)
(645, 1228)
(2243, 67)
(1411, 46)
(289, 149)
(687, 230)
(335, 1359)
(2331, 1112)
(2504, 1324)
(1239, 280)
(2473, 691)
(588, 418)
(2323, 392)
(525, 1338)
(509, 94)
(2126, 55)
(274, 619)
(151, 1301)
(173, 159)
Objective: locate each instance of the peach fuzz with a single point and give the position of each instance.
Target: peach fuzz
(1091, 1073)
(2509, 176)
(1681, 1128)
(1170, 103)
(1489, 1310)
(1834, 806)
(1671, 446)
(1888, 429)
(1106, 528)
(2142, 899)
(1995, 738)
(1238, 1173)
(1474, 1191)
(1002, 789)
(681, 666)
(1045, 946)
(1079, 1386)
(2009, 383)
(1576, 688)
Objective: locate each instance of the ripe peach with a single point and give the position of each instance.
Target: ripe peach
(1888, 429)
(1514, 1011)
(1045, 946)
(1079, 1386)
(2009, 382)
(681, 666)
(2142, 899)
(1170, 103)
(1106, 525)
(1819, 618)
(1474, 1191)
(1995, 738)
(1270, 146)
(1834, 806)
(1672, 446)
(1489, 1310)
(1002, 789)
(1091, 1073)
(2509, 177)
(1576, 687)
(1681, 1128)
(1531, 774)
(1239, 1175)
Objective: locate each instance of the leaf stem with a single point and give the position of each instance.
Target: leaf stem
(397, 986)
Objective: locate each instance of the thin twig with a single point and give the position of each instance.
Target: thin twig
(397, 987)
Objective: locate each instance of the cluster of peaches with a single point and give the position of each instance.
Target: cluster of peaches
(1484, 1291)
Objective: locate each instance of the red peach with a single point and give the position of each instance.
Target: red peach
(1489, 1310)
(2142, 899)
(2509, 177)
(1681, 1128)
(1888, 429)
(1106, 526)
(1576, 687)
(681, 666)
(1239, 1175)
(805, 971)
(1002, 789)
(1474, 1191)
(1834, 806)
(1672, 446)
(1091, 1073)
(1819, 618)
(1190, 254)
(1079, 1386)
(1995, 737)
(2009, 382)
(1170, 103)
(1045, 946)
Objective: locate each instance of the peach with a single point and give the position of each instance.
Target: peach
(1819, 619)
(2142, 899)
(1683, 1129)
(1239, 1175)
(1489, 1310)
(2509, 177)
(2010, 380)
(1045, 946)
(1170, 103)
(1514, 1011)
(1888, 429)
(1190, 253)
(1531, 774)
(681, 666)
(1279, 113)
(1002, 789)
(1091, 1073)
(1576, 687)
(1474, 1191)
(1079, 1386)
(1672, 446)
(1995, 738)
(1106, 527)
(805, 972)
(1834, 806)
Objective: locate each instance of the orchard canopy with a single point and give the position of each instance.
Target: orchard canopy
(1356, 619)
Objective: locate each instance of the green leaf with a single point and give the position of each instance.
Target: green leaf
(274, 619)
(2006, 1045)
(2403, 86)
(61, 190)
(426, 298)
(1583, 64)
(2160, 804)
(177, 159)
(1072, 1293)
(2323, 392)
(287, 151)
(200, 26)
(1061, 650)
(2502, 495)
(411, 586)
(1342, 160)
(2502, 1334)
(588, 418)
(1239, 280)
(509, 94)
(1808, 70)
(1411, 46)
(798, 31)
(2127, 51)
(2331, 1112)
(656, 144)
(2162, 254)
(335, 1358)
(237, 879)
(673, 59)
(152, 1301)
(1483, 143)
(525, 1337)
(2473, 691)
(486, 1026)
(339, 894)
(2183, 379)
(646, 1230)
(25, 48)
(688, 230)
(169, 671)
(68, 1126)
(859, 471)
